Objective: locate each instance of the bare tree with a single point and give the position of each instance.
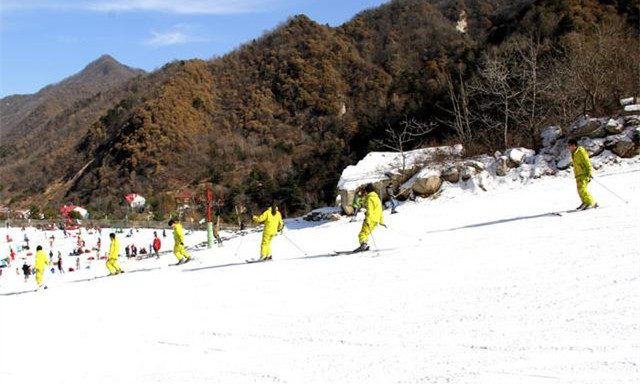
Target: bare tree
(498, 88)
(602, 66)
(410, 135)
(460, 117)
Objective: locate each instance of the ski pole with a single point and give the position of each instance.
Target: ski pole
(294, 244)
(610, 191)
(239, 244)
(375, 246)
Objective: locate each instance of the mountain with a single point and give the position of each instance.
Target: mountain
(281, 116)
(22, 113)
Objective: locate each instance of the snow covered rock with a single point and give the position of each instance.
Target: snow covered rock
(564, 161)
(625, 148)
(517, 156)
(606, 157)
(588, 128)
(427, 182)
(451, 174)
(475, 164)
(593, 146)
(543, 166)
(467, 172)
(613, 127)
(632, 108)
(502, 166)
(632, 120)
(550, 135)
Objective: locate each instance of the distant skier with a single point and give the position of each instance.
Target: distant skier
(112, 259)
(26, 271)
(216, 231)
(392, 200)
(60, 268)
(178, 242)
(272, 225)
(583, 173)
(357, 204)
(372, 217)
(156, 244)
(41, 261)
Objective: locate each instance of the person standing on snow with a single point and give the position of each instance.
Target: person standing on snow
(272, 225)
(156, 244)
(372, 217)
(583, 172)
(178, 242)
(392, 200)
(357, 204)
(112, 259)
(41, 261)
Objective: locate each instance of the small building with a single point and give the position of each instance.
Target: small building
(184, 197)
(66, 210)
(135, 200)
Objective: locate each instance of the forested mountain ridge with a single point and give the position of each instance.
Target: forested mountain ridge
(282, 115)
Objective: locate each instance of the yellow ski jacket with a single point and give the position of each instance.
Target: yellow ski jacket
(272, 223)
(114, 249)
(41, 260)
(581, 164)
(374, 209)
(178, 234)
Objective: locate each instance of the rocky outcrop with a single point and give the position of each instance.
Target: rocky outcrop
(606, 140)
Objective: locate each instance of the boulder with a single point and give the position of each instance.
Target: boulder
(467, 172)
(594, 147)
(502, 166)
(625, 148)
(517, 156)
(564, 161)
(451, 174)
(477, 165)
(346, 199)
(613, 127)
(550, 135)
(542, 166)
(589, 128)
(632, 120)
(428, 183)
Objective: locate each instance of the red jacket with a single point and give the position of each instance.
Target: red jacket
(156, 243)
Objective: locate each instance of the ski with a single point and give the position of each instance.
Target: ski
(560, 213)
(337, 253)
(179, 263)
(251, 261)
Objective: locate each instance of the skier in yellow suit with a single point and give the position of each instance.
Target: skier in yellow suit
(583, 173)
(178, 242)
(372, 217)
(114, 249)
(272, 225)
(41, 261)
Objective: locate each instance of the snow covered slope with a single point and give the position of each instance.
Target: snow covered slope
(480, 287)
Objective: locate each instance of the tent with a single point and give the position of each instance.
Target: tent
(135, 200)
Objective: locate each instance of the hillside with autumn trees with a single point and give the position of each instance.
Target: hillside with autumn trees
(281, 116)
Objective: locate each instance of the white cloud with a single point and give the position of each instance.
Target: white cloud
(167, 6)
(179, 34)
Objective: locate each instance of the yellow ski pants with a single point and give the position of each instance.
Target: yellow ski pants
(585, 196)
(39, 273)
(265, 247)
(179, 251)
(366, 230)
(113, 266)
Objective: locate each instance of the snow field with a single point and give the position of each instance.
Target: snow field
(467, 288)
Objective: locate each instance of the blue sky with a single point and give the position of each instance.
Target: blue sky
(45, 41)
